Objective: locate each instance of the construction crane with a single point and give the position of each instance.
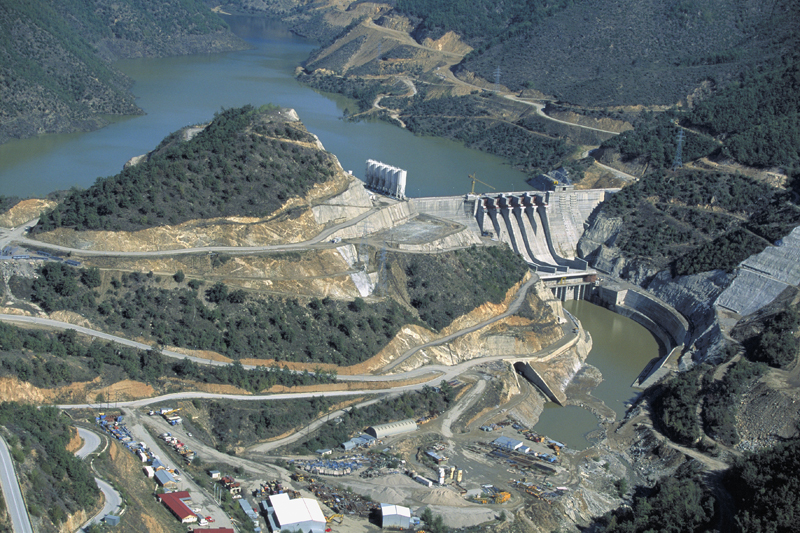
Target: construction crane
(474, 179)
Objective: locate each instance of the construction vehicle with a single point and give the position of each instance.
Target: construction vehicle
(330, 518)
(502, 497)
(474, 179)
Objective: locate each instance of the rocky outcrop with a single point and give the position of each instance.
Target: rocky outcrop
(693, 297)
(602, 232)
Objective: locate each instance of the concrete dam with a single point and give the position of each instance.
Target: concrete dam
(542, 227)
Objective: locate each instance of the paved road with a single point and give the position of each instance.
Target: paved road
(91, 441)
(540, 111)
(113, 500)
(15, 235)
(20, 522)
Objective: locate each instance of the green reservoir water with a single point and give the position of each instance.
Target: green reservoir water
(176, 92)
(621, 348)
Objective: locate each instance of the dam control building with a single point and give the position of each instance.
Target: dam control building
(386, 179)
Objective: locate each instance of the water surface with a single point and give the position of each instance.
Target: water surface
(179, 91)
(621, 348)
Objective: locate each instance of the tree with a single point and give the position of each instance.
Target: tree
(217, 292)
(179, 276)
(91, 277)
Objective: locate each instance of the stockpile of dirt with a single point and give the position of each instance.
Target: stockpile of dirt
(441, 496)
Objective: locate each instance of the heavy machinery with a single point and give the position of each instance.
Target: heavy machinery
(474, 179)
(502, 497)
(330, 518)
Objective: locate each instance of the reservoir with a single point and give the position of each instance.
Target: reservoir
(180, 91)
(621, 348)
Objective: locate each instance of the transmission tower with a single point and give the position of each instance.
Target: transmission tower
(497, 79)
(678, 163)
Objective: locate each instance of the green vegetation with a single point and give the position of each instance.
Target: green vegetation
(664, 54)
(51, 360)
(723, 398)
(724, 252)
(699, 221)
(677, 503)
(56, 68)
(443, 287)
(408, 405)
(436, 524)
(233, 323)
(234, 423)
(766, 488)
(480, 20)
(60, 483)
(759, 116)
(363, 91)
(471, 120)
(246, 162)
(654, 137)
(675, 406)
(777, 344)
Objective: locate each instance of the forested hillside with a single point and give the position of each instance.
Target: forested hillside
(246, 162)
(699, 221)
(56, 483)
(595, 52)
(755, 121)
(55, 72)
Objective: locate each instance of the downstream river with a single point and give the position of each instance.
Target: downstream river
(176, 92)
(621, 348)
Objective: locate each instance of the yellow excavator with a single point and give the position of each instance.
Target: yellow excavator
(330, 518)
(474, 179)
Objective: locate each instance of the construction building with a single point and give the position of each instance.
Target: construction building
(395, 516)
(508, 443)
(302, 514)
(382, 431)
(165, 479)
(176, 503)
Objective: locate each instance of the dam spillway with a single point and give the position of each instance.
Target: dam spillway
(542, 227)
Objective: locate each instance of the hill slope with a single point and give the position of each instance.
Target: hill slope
(55, 72)
(600, 52)
(247, 162)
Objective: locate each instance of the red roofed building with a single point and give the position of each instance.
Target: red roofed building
(175, 503)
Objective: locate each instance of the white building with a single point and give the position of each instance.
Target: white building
(302, 514)
(395, 516)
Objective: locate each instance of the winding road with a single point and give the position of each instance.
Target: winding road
(113, 500)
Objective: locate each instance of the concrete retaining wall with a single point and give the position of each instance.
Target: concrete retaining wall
(456, 208)
(388, 217)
